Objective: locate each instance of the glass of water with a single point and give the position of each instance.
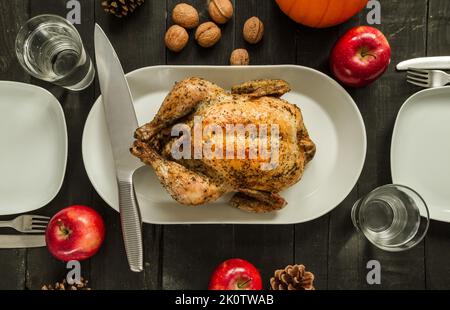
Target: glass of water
(392, 217)
(50, 48)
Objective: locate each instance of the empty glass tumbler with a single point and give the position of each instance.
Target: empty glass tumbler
(392, 217)
(50, 48)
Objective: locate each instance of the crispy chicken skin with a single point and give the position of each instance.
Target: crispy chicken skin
(199, 181)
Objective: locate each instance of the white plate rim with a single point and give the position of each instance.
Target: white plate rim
(394, 143)
(60, 111)
(238, 68)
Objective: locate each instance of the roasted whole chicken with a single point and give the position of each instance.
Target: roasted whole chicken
(205, 142)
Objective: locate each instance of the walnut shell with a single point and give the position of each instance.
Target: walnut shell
(207, 34)
(176, 38)
(253, 30)
(185, 15)
(239, 57)
(220, 11)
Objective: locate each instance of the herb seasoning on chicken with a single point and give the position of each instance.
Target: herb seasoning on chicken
(199, 180)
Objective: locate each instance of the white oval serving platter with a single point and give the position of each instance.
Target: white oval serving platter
(330, 114)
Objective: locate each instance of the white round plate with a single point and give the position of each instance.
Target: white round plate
(331, 116)
(33, 139)
(420, 152)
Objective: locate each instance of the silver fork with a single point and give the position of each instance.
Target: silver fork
(27, 223)
(427, 78)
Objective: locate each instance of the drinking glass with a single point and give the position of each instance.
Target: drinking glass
(50, 48)
(392, 217)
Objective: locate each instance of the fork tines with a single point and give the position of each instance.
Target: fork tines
(418, 77)
(38, 223)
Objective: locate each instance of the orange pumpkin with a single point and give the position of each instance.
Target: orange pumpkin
(321, 13)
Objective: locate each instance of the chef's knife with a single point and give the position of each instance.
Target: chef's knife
(121, 121)
(21, 241)
(427, 63)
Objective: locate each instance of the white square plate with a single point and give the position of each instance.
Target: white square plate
(331, 116)
(420, 152)
(33, 153)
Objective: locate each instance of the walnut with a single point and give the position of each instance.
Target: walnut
(253, 30)
(220, 10)
(185, 15)
(208, 34)
(239, 57)
(176, 38)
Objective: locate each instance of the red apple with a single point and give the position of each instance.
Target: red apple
(235, 274)
(360, 56)
(75, 233)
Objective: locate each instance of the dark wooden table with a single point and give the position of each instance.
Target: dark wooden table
(182, 257)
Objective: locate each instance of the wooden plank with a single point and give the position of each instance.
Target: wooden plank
(437, 249)
(437, 255)
(268, 247)
(191, 249)
(138, 40)
(13, 266)
(278, 45)
(42, 268)
(10, 23)
(311, 248)
(311, 238)
(379, 104)
(191, 252)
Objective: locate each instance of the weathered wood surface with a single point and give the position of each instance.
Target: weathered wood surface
(182, 257)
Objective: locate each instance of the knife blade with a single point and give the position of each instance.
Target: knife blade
(121, 122)
(21, 241)
(439, 62)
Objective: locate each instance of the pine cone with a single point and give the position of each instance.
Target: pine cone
(292, 278)
(64, 286)
(121, 8)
